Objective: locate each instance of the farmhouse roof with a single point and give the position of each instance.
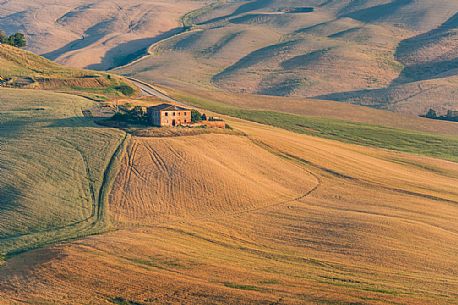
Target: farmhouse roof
(167, 107)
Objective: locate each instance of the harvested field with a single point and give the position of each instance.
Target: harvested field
(201, 223)
(167, 179)
(181, 132)
(301, 201)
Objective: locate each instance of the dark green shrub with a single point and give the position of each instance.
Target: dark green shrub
(195, 116)
(431, 114)
(125, 90)
(17, 40)
(3, 37)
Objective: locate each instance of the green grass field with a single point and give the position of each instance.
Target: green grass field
(440, 146)
(53, 163)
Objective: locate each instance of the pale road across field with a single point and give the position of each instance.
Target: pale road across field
(148, 89)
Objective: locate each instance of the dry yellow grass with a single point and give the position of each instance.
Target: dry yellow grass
(53, 163)
(198, 227)
(23, 69)
(93, 33)
(397, 55)
(200, 176)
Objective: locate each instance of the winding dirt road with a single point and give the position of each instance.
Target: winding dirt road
(149, 90)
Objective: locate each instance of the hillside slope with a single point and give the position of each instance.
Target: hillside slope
(395, 55)
(53, 165)
(55, 161)
(96, 34)
(333, 224)
(255, 214)
(23, 69)
(298, 201)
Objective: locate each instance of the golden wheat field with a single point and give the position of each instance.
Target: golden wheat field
(248, 219)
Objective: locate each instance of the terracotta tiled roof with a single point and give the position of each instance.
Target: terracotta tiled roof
(166, 107)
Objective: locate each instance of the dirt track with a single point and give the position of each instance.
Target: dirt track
(242, 220)
(155, 170)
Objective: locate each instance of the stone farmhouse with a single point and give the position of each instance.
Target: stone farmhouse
(168, 115)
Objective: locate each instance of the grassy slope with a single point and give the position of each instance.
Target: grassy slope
(441, 146)
(16, 63)
(373, 231)
(53, 162)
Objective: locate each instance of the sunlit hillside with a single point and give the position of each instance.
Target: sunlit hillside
(96, 34)
(334, 224)
(264, 152)
(392, 55)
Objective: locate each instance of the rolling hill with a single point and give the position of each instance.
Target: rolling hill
(54, 159)
(393, 55)
(397, 55)
(298, 201)
(96, 34)
(334, 224)
(53, 166)
(23, 69)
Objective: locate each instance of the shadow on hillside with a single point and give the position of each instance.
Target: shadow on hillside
(374, 98)
(304, 60)
(434, 69)
(9, 196)
(127, 52)
(74, 122)
(426, 71)
(255, 57)
(378, 12)
(92, 35)
(429, 69)
(244, 8)
(13, 128)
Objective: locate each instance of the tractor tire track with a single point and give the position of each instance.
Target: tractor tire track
(318, 183)
(359, 181)
(91, 225)
(131, 153)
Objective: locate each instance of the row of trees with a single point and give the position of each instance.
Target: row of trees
(17, 40)
(450, 116)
